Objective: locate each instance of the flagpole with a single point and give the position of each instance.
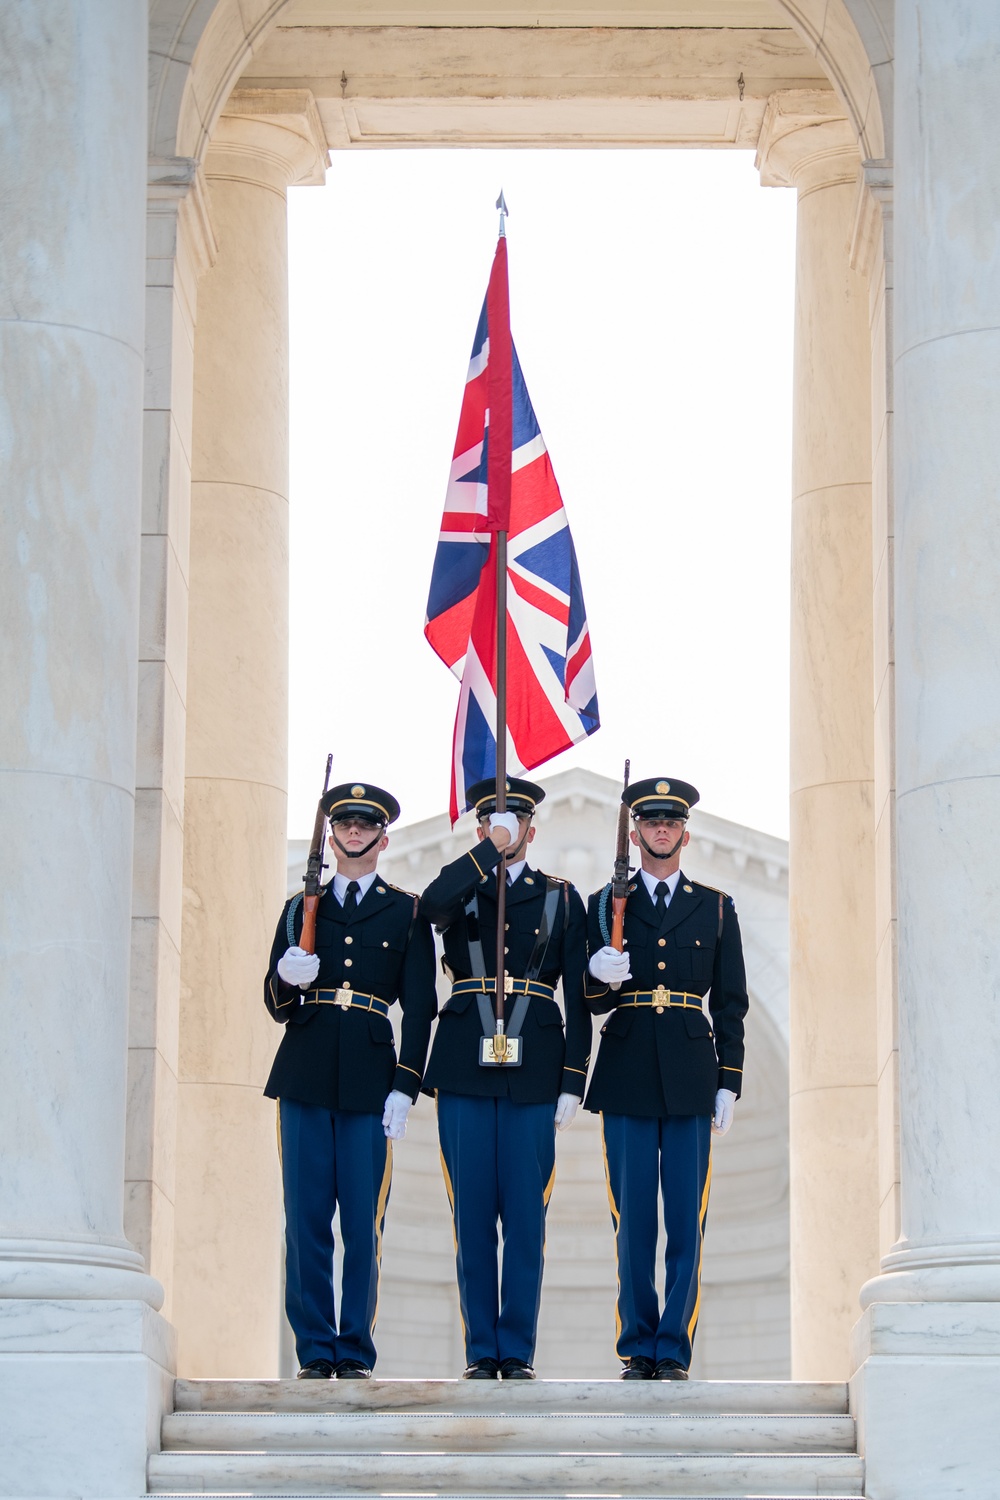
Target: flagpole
(501, 768)
(501, 724)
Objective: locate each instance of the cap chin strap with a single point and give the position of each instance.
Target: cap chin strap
(513, 851)
(652, 852)
(515, 854)
(361, 852)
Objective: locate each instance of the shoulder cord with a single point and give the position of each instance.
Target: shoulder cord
(602, 914)
(290, 919)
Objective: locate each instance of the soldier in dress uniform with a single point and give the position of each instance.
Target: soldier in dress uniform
(497, 1123)
(343, 1095)
(666, 1076)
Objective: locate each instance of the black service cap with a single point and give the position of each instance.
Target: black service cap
(353, 799)
(659, 797)
(522, 796)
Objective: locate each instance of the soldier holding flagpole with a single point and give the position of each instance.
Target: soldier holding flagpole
(506, 613)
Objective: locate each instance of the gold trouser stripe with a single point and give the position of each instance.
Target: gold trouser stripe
(702, 1215)
(549, 1186)
(616, 1220)
(383, 1195)
(277, 1128)
(454, 1225)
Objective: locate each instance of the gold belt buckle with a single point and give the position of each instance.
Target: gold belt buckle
(662, 998)
(345, 999)
(508, 984)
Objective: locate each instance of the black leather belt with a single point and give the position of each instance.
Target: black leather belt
(346, 999)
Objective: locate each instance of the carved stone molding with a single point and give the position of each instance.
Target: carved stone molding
(873, 217)
(280, 128)
(806, 142)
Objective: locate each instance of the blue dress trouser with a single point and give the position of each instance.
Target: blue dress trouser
(331, 1158)
(673, 1155)
(499, 1162)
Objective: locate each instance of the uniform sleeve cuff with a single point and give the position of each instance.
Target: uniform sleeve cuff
(282, 994)
(407, 1081)
(574, 1081)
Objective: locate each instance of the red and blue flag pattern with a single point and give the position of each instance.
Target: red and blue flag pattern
(551, 692)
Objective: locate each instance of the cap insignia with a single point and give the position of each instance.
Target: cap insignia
(357, 791)
(663, 787)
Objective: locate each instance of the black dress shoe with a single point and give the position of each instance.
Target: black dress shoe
(482, 1369)
(352, 1369)
(316, 1369)
(669, 1369)
(515, 1369)
(637, 1368)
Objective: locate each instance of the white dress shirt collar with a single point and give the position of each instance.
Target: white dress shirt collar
(341, 882)
(653, 880)
(513, 871)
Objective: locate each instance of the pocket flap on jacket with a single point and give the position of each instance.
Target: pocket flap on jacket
(619, 1023)
(380, 1027)
(696, 1023)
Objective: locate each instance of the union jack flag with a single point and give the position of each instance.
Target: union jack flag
(551, 692)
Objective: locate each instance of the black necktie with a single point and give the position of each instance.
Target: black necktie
(351, 896)
(661, 898)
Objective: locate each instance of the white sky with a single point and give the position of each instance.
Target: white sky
(651, 305)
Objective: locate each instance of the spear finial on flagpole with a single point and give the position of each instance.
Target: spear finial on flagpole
(501, 204)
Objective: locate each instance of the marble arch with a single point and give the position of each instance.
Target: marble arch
(912, 910)
(274, 128)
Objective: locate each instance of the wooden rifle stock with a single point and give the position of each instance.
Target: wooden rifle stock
(314, 872)
(619, 881)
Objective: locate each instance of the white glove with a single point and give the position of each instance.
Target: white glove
(505, 820)
(296, 966)
(566, 1108)
(608, 966)
(725, 1105)
(397, 1107)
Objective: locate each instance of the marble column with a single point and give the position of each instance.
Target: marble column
(928, 1345)
(805, 143)
(84, 1353)
(228, 1201)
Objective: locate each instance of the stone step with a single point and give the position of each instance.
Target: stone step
(777, 1397)
(477, 1432)
(507, 1473)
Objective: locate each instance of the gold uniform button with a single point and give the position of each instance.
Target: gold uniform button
(384, 944)
(346, 984)
(506, 927)
(660, 965)
(348, 940)
(697, 942)
(659, 1010)
(662, 942)
(506, 950)
(348, 963)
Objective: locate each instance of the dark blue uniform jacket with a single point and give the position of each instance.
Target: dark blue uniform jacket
(346, 1059)
(554, 1061)
(673, 1060)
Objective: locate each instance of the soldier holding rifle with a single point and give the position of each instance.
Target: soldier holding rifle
(667, 1075)
(503, 1090)
(342, 955)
